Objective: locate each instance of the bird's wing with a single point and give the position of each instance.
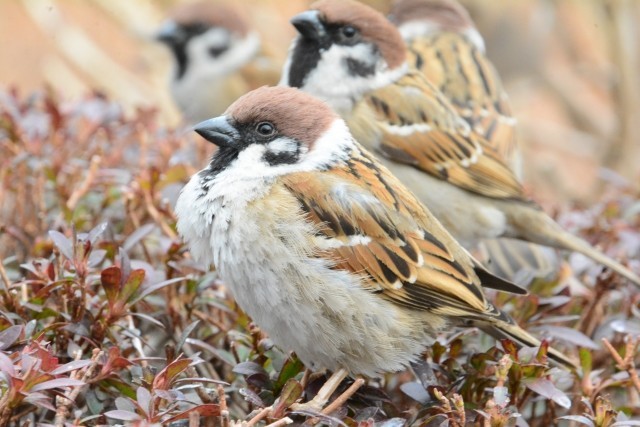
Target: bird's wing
(369, 224)
(417, 125)
(464, 74)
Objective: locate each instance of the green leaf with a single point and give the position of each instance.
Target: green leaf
(292, 367)
(132, 284)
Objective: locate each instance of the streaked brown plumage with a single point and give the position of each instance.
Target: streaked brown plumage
(396, 112)
(443, 43)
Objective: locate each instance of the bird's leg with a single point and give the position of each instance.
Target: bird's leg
(317, 403)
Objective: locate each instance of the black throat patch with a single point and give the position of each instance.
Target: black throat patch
(306, 55)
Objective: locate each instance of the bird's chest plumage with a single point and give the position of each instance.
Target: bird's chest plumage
(265, 250)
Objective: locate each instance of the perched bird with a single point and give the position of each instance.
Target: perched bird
(323, 247)
(352, 57)
(216, 56)
(443, 43)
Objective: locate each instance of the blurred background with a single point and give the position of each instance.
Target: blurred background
(571, 69)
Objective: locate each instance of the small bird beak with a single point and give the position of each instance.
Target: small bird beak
(218, 131)
(169, 33)
(309, 25)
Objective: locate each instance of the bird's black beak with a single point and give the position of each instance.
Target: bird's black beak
(169, 33)
(218, 131)
(309, 25)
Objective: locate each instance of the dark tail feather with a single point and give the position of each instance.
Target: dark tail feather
(504, 327)
(519, 261)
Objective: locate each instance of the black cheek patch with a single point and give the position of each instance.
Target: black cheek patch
(359, 68)
(282, 158)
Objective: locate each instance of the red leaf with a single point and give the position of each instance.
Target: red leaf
(111, 278)
(164, 379)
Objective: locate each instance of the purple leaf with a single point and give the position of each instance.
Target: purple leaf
(149, 289)
(416, 391)
(96, 257)
(97, 231)
(573, 336)
(545, 388)
(185, 334)
(144, 399)
(579, 419)
(6, 365)
(71, 366)
(10, 336)
(62, 243)
(57, 383)
(119, 414)
(137, 236)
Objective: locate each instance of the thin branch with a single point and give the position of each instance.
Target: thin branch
(626, 364)
(84, 188)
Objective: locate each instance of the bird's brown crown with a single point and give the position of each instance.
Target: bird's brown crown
(210, 14)
(448, 14)
(294, 113)
(372, 25)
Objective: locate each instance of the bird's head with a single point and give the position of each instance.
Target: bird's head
(343, 50)
(272, 131)
(207, 40)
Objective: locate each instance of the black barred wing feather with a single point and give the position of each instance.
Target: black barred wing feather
(430, 135)
(463, 73)
(370, 225)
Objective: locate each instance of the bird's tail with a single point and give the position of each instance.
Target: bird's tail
(502, 326)
(518, 261)
(543, 230)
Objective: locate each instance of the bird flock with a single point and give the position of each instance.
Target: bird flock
(347, 196)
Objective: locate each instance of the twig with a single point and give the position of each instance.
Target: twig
(340, 400)
(224, 411)
(194, 419)
(259, 417)
(64, 402)
(84, 188)
(626, 364)
(281, 422)
(5, 277)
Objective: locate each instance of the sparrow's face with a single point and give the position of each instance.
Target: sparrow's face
(423, 18)
(207, 40)
(272, 131)
(344, 49)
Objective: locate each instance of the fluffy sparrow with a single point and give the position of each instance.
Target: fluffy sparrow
(216, 56)
(323, 247)
(352, 57)
(444, 44)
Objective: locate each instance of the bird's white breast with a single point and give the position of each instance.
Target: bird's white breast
(263, 248)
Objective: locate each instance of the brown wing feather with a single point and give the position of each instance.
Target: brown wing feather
(430, 135)
(464, 74)
(379, 230)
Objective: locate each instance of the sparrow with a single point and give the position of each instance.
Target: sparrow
(444, 44)
(353, 58)
(216, 56)
(323, 247)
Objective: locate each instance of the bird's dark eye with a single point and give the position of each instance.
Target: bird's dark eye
(348, 31)
(217, 51)
(265, 129)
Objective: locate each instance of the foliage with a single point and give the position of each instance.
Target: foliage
(104, 318)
